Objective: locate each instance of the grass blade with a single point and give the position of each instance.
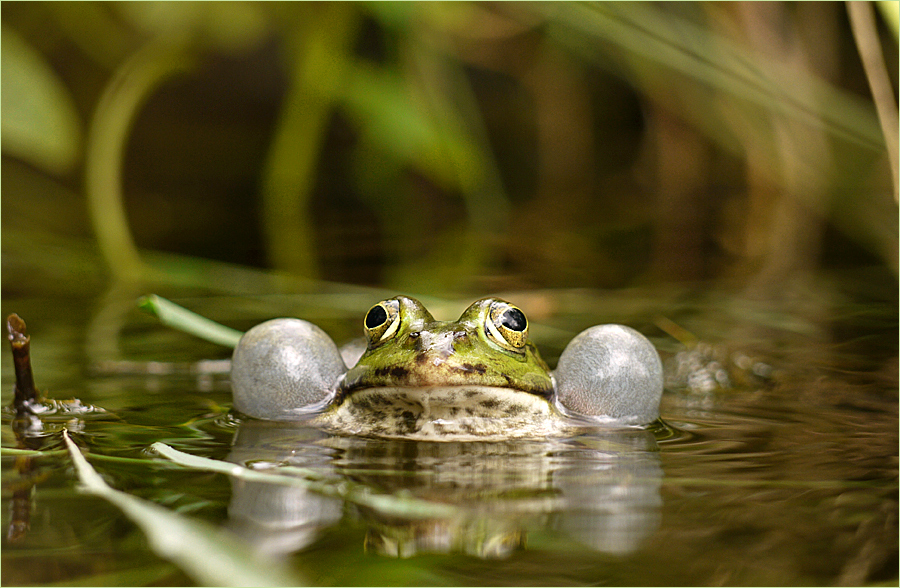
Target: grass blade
(209, 555)
(192, 323)
(358, 494)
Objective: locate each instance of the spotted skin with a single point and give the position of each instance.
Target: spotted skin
(441, 412)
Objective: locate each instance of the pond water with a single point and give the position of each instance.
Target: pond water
(775, 463)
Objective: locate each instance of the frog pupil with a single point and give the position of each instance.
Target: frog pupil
(514, 320)
(375, 317)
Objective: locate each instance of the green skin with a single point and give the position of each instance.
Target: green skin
(424, 352)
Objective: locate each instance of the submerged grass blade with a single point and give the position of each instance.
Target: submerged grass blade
(152, 575)
(355, 493)
(183, 319)
(31, 452)
(208, 555)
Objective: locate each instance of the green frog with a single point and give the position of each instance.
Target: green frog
(479, 377)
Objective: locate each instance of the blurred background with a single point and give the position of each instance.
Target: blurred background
(451, 148)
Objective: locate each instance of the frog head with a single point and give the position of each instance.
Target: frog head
(487, 346)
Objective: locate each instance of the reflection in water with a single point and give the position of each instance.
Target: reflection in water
(600, 489)
(279, 519)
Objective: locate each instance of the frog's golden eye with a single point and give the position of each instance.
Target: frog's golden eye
(382, 321)
(507, 326)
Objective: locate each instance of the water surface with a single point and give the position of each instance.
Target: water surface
(775, 464)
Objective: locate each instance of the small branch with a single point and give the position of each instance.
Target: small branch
(26, 394)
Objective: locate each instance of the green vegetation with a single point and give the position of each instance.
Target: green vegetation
(211, 556)
(180, 318)
(450, 147)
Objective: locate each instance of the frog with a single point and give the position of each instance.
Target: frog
(479, 377)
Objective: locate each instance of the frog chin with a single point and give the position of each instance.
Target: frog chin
(443, 413)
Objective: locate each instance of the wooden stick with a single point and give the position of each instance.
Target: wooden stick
(26, 394)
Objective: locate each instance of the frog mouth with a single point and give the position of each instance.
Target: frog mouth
(451, 377)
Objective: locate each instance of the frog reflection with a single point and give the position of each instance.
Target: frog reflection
(601, 490)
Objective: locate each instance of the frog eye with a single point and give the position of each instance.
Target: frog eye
(382, 321)
(507, 326)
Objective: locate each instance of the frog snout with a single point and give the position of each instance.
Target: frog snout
(440, 344)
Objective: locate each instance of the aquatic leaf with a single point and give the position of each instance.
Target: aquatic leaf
(30, 452)
(40, 123)
(182, 319)
(208, 555)
(361, 495)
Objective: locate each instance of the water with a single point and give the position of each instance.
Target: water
(776, 464)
